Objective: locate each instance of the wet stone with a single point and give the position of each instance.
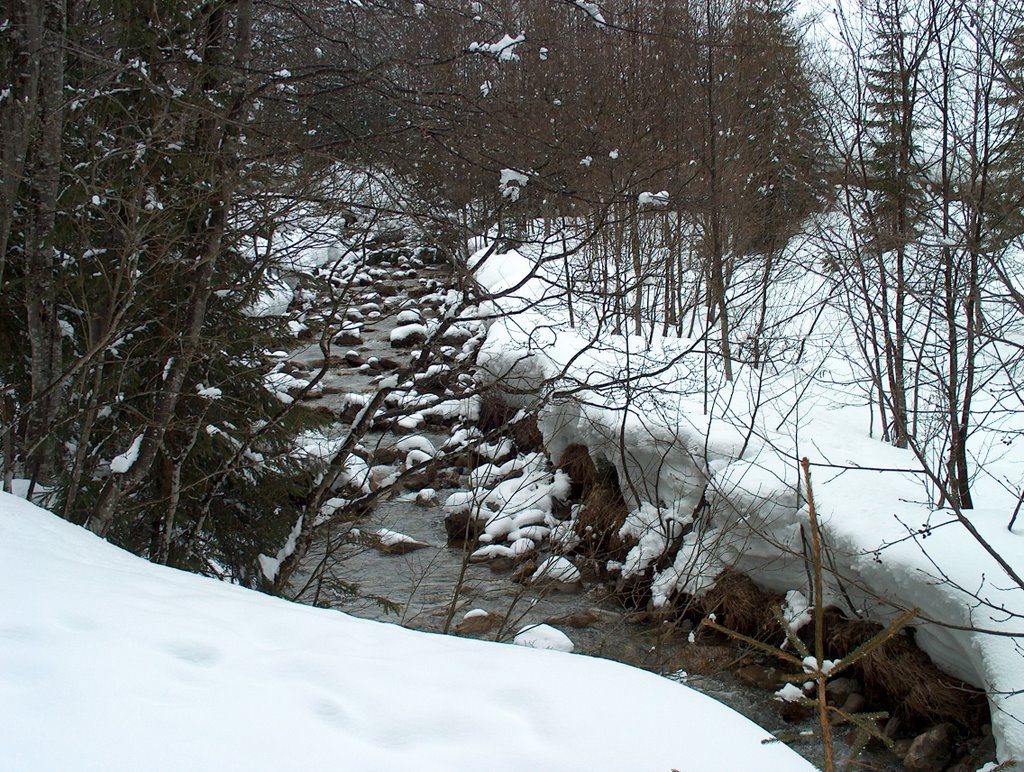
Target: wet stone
(461, 527)
(855, 703)
(578, 619)
(760, 677)
(476, 625)
(794, 712)
(839, 689)
(931, 750)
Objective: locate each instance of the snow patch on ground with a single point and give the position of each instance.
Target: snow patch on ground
(106, 656)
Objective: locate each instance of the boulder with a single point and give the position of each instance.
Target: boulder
(427, 497)
(557, 573)
(525, 571)
(394, 543)
(855, 703)
(794, 712)
(930, 751)
(462, 527)
(543, 637)
(348, 336)
(977, 753)
(760, 676)
(839, 689)
(476, 622)
(408, 335)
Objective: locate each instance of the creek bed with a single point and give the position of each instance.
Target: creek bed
(424, 584)
(431, 589)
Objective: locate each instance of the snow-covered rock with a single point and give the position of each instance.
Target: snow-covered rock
(556, 569)
(409, 335)
(544, 637)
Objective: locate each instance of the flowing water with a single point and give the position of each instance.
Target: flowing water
(432, 588)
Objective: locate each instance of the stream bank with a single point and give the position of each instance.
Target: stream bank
(400, 562)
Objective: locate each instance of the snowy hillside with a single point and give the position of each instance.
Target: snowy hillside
(640, 402)
(112, 663)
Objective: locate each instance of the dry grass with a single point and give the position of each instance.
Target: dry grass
(495, 413)
(900, 675)
(602, 515)
(577, 463)
(741, 605)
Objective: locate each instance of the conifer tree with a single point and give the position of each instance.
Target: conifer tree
(899, 47)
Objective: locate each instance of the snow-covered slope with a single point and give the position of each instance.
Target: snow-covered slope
(643, 404)
(110, 663)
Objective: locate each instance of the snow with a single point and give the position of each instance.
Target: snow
(411, 422)
(390, 538)
(557, 569)
(508, 498)
(592, 10)
(416, 457)
(271, 565)
(543, 637)
(416, 442)
(790, 693)
(208, 392)
(503, 50)
(511, 184)
(280, 383)
(811, 665)
(659, 199)
(638, 402)
(275, 299)
(122, 463)
(406, 331)
(796, 610)
(107, 658)
(652, 528)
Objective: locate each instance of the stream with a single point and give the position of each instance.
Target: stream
(432, 587)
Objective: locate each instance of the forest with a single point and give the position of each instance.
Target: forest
(691, 251)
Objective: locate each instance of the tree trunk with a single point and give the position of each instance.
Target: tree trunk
(43, 166)
(22, 49)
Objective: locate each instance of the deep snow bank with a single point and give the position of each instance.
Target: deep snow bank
(109, 662)
(676, 430)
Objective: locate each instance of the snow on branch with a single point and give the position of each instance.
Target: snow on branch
(503, 50)
(125, 461)
(512, 184)
(659, 199)
(592, 10)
